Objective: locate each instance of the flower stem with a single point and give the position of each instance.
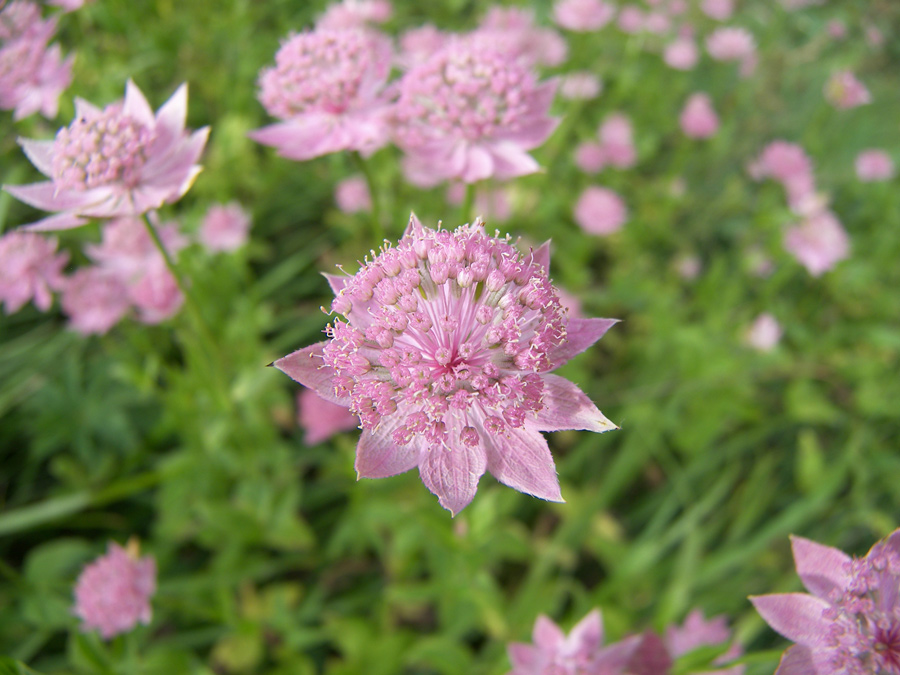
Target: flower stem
(468, 203)
(377, 228)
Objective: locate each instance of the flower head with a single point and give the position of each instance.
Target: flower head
(471, 112)
(681, 54)
(849, 622)
(818, 243)
(580, 85)
(874, 165)
(328, 88)
(583, 15)
(789, 164)
(352, 195)
(30, 269)
(225, 227)
(731, 44)
(513, 31)
(617, 140)
(600, 211)
(444, 353)
(698, 118)
(355, 14)
(765, 333)
(94, 299)
(720, 10)
(118, 161)
(844, 91)
(113, 593)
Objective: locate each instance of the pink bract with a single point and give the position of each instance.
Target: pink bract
(844, 91)
(874, 165)
(328, 87)
(30, 269)
(697, 631)
(582, 15)
(112, 594)
(322, 419)
(444, 353)
(849, 621)
(600, 211)
(818, 243)
(119, 161)
(225, 227)
(470, 113)
(698, 118)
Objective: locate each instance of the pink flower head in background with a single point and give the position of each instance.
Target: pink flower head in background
(582, 15)
(765, 333)
(352, 195)
(580, 86)
(30, 269)
(631, 19)
(112, 594)
(225, 227)
(874, 165)
(327, 87)
(68, 5)
(688, 267)
(444, 354)
(849, 621)
(590, 157)
(844, 91)
(94, 299)
(32, 73)
(617, 140)
(322, 419)
(874, 36)
(470, 113)
(494, 204)
(681, 54)
(697, 631)
(513, 30)
(119, 161)
(788, 164)
(818, 243)
(720, 10)
(657, 23)
(733, 44)
(698, 118)
(600, 211)
(419, 44)
(355, 14)
(837, 29)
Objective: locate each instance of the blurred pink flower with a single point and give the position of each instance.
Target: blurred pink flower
(68, 5)
(155, 294)
(688, 267)
(874, 165)
(874, 36)
(818, 243)
(617, 139)
(119, 161)
(850, 619)
(492, 204)
(720, 10)
(352, 195)
(582, 15)
(580, 85)
(837, 29)
(439, 379)
(322, 419)
(764, 334)
(225, 227)
(30, 269)
(677, 7)
(471, 113)
(349, 14)
(631, 19)
(94, 299)
(571, 303)
(590, 157)
(600, 211)
(789, 164)
(113, 593)
(657, 23)
(513, 30)
(731, 44)
(698, 118)
(844, 91)
(420, 44)
(328, 88)
(681, 54)
(696, 631)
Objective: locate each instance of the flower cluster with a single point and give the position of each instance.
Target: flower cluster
(30, 269)
(444, 355)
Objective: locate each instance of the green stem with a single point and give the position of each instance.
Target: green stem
(377, 228)
(468, 203)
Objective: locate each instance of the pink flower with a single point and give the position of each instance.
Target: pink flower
(94, 299)
(789, 164)
(720, 10)
(818, 243)
(119, 161)
(513, 31)
(765, 333)
(849, 621)
(580, 85)
(68, 5)
(837, 29)
(844, 91)
(225, 227)
(419, 44)
(113, 593)
(696, 631)
(698, 119)
(874, 36)
(328, 88)
(688, 267)
(352, 195)
(445, 356)
(590, 157)
(617, 139)
(30, 269)
(320, 418)
(657, 23)
(682, 54)
(631, 19)
(355, 14)
(571, 303)
(731, 44)
(471, 113)
(582, 15)
(600, 211)
(874, 165)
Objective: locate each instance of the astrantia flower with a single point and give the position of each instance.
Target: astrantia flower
(698, 118)
(113, 593)
(94, 299)
(631, 19)
(225, 227)
(720, 10)
(328, 88)
(765, 333)
(322, 419)
(874, 165)
(513, 31)
(682, 54)
(352, 195)
(789, 164)
(844, 91)
(30, 269)
(583, 15)
(119, 161)
(444, 353)
(818, 243)
(697, 631)
(617, 139)
(850, 624)
(731, 44)
(600, 211)
(469, 113)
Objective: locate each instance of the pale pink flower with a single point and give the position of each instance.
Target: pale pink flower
(677, 7)
(119, 161)
(580, 85)
(631, 19)
(789, 164)
(352, 195)
(328, 88)
(582, 15)
(68, 5)
(844, 91)
(720, 10)
(590, 157)
(155, 294)
(818, 243)
(420, 44)
(445, 356)
(837, 29)
(513, 30)
(657, 23)
(688, 267)
(731, 44)
(322, 419)
(874, 165)
(874, 36)
(30, 269)
(494, 204)
(765, 333)
(112, 594)
(698, 118)
(681, 54)
(355, 14)
(94, 299)
(600, 211)
(849, 622)
(617, 139)
(697, 631)
(225, 227)
(471, 113)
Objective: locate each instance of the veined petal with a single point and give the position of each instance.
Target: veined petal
(136, 105)
(796, 616)
(521, 459)
(56, 223)
(452, 474)
(378, 456)
(40, 153)
(801, 660)
(581, 334)
(821, 568)
(307, 367)
(567, 407)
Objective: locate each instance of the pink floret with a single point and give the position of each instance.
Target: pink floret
(617, 140)
(765, 333)
(731, 44)
(30, 269)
